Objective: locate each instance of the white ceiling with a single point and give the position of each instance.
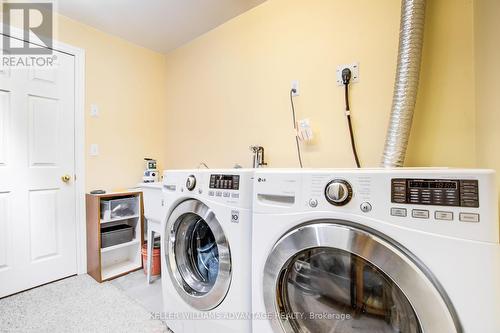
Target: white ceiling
(160, 25)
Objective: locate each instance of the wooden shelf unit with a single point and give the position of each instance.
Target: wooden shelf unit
(111, 262)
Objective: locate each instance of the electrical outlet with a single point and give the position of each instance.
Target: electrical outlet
(94, 149)
(354, 67)
(295, 85)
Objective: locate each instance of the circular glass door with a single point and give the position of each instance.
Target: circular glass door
(333, 277)
(337, 291)
(198, 255)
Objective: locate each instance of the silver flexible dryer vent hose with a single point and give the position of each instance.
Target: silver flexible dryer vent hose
(411, 39)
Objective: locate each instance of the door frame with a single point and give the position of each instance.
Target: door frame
(79, 177)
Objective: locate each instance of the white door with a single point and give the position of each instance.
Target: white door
(37, 208)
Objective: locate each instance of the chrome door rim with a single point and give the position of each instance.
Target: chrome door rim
(430, 303)
(213, 297)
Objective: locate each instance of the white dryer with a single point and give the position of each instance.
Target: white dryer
(206, 252)
(401, 250)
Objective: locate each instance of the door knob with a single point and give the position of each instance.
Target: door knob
(66, 178)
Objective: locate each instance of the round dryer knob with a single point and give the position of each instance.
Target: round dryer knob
(338, 192)
(191, 182)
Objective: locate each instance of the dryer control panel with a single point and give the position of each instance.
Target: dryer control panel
(460, 203)
(439, 192)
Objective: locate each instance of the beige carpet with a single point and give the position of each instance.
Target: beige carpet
(75, 304)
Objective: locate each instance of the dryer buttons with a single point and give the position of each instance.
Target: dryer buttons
(420, 213)
(469, 217)
(313, 203)
(399, 212)
(443, 216)
(366, 207)
(338, 192)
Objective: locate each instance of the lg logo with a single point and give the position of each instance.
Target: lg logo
(261, 180)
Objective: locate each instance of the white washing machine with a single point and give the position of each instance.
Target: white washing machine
(401, 250)
(206, 251)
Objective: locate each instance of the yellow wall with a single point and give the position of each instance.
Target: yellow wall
(229, 88)
(487, 26)
(128, 84)
(443, 132)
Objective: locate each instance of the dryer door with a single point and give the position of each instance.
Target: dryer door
(332, 276)
(198, 255)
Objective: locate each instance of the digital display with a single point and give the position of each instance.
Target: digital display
(226, 182)
(439, 192)
(433, 184)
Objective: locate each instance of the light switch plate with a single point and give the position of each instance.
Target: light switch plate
(94, 149)
(94, 111)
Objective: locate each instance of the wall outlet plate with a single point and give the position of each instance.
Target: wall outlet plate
(295, 85)
(354, 67)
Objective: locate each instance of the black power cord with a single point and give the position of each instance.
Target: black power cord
(346, 79)
(295, 126)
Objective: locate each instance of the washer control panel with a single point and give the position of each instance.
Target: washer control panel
(439, 192)
(225, 182)
(232, 187)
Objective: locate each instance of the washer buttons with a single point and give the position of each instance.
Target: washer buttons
(313, 203)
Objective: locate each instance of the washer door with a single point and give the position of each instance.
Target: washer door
(332, 276)
(198, 257)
